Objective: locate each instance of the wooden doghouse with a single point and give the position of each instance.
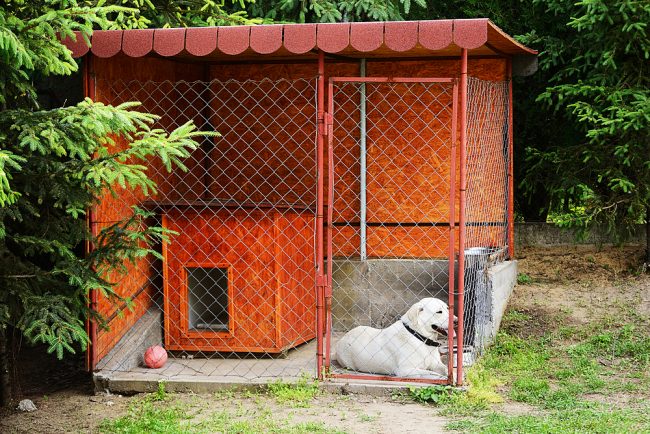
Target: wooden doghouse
(261, 296)
(263, 210)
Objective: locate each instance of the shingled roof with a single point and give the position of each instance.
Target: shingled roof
(377, 39)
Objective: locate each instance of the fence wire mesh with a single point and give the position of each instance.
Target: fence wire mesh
(235, 295)
(392, 146)
(236, 291)
(486, 205)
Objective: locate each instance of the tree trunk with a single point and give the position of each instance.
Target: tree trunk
(5, 381)
(647, 235)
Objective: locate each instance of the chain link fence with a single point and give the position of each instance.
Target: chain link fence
(235, 293)
(486, 205)
(235, 296)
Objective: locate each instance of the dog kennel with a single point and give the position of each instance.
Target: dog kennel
(356, 165)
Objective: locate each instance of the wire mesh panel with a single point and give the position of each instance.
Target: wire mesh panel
(389, 229)
(486, 203)
(235, 295)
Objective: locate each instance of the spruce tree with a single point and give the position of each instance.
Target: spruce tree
(54, 165)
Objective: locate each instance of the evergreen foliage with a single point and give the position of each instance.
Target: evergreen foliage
(54, 165)
(330, 11)
(597, 72)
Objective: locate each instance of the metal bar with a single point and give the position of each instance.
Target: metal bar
(330, 217)
(461, 217)
(511, 174)
(363, 253)
(320, 277)
(391, 80)
(91, 326)
(388, 378)
(452, 230)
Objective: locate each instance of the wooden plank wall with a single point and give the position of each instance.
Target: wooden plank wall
(114, 84)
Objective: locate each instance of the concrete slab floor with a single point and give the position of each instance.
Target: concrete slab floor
(201, 375)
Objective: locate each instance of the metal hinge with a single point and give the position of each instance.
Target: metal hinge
(321, 280)
(325, 123)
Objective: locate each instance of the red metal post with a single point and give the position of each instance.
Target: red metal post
(321, 280)
(452, 229)
(91, 326)
(511, 174)
(330, 224)
(461, 217)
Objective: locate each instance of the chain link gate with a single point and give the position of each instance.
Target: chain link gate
(392, 207)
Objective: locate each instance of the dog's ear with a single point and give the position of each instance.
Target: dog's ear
(413, 313)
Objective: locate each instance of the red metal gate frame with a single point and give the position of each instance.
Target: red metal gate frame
(324, 284)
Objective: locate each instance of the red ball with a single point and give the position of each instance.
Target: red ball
(155, 357)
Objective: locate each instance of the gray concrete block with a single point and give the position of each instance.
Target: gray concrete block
(129, 351)
(377, 292)
(503, 277)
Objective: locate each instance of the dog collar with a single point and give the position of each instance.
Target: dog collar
(427, 341)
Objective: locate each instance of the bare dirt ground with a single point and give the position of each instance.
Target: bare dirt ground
(568, 285)
(579, 284)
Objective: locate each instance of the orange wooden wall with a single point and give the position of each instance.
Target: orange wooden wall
(112, 78)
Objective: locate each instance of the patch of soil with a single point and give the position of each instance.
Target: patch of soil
(539, 321)
(577, 284)
(71, 410)
(580, 263)
(75, 411)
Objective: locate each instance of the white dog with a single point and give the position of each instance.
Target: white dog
(408, 348)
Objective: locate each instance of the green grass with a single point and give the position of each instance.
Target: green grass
(298, 394)
(153, 415)
(436, 394)
(596, 419)
(146, 416)
(480, 394)
(524, 279)
(554, 373)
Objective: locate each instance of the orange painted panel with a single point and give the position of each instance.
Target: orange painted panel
(134, 284)
(266, 257)
(117, 82)
(408, 242)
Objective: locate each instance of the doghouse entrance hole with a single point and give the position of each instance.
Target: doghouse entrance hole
(208, 298)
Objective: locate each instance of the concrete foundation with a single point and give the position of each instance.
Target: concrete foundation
(372, 292)
(129, 351)
(377, 292)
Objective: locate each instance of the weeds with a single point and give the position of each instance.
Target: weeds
(436, 394)
(161, 392)
(524, 279)
(555, 371)
(146, 416)
(159, 413)
(595, 419)
(299, 393)
(481, 392)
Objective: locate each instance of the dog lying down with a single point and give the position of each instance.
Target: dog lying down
(408, 348)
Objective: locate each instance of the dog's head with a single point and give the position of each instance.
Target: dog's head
(429, 317)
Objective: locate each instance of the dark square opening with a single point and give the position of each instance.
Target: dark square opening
(207, 289)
